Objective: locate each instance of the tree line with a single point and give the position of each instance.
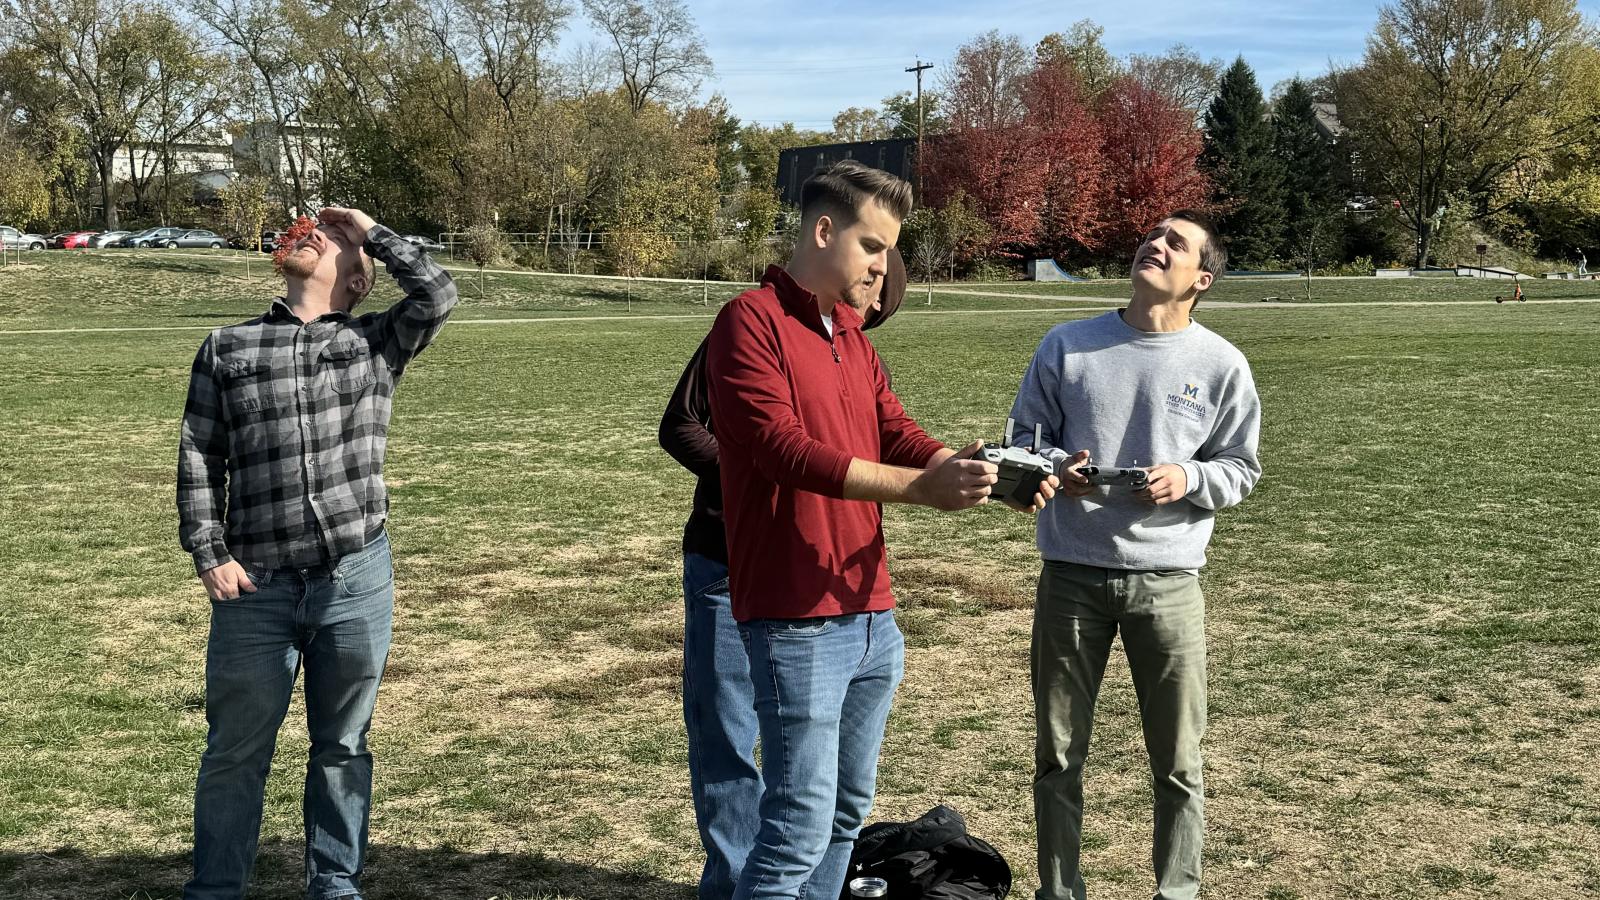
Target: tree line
(1464, 121)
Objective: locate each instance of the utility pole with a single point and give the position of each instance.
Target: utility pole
(919, 68)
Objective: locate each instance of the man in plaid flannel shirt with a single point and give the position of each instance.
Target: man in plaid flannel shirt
(282, 505)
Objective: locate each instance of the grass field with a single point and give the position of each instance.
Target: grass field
(1404, 619)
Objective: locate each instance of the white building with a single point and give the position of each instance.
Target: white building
(311, 147)
(143, 160)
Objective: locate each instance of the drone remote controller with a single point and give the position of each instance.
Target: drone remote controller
(1022, 471)
(1137, 479)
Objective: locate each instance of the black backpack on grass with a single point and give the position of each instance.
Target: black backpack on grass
(931, 858)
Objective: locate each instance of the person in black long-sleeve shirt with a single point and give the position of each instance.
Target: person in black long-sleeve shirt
(718, 700)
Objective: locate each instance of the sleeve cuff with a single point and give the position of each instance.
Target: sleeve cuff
(382, 243)
(836, 466)
(1057, 456)
(927, 454)
(210, 557)
(1193, 474)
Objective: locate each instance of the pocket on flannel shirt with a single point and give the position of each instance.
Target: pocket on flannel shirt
(247, 388)
(348, 366)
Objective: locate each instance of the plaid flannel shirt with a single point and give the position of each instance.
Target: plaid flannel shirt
(281, 457)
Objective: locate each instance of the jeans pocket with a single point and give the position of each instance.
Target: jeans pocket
(716, 589)
(799, 628)
(365, 571)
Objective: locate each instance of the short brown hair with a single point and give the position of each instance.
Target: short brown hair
(844, 188)
(1213, 255)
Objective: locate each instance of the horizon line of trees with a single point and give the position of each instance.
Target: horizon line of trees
(1468, 120)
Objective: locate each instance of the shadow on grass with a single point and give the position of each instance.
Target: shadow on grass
(176, 265)
(393, 873)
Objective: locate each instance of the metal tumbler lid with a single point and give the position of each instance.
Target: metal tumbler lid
(869, 887)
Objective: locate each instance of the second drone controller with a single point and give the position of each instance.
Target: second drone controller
(1022, 472)
(1137, 479)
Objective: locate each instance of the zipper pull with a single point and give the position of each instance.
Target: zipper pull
(835, 353)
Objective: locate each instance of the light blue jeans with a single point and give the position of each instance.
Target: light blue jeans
(823, 689)
(336, 625)
(719, 715)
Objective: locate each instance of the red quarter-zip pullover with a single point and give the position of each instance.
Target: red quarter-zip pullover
(793, 406)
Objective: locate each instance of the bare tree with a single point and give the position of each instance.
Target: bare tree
(272, 57)
(187, 100)
(1180, 75)
(656, 48)
(984, 86)
(513, 40)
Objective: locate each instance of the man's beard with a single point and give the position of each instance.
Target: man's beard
(860, 296)
(301, 264)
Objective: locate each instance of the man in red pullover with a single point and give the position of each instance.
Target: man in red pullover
(811, 440)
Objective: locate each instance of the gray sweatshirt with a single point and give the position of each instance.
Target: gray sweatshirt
(1136, 398)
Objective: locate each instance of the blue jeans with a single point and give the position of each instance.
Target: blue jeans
(337, 625)
(823, 690)
(720, 717)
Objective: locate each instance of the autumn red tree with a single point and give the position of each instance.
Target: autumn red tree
(1065, 141)
(1051, 173)
(999, 174)
(988, 153)
(1150, 146)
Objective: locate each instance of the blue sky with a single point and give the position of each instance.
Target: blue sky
(804, 61)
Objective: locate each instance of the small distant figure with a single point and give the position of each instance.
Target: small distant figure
(1583, 265)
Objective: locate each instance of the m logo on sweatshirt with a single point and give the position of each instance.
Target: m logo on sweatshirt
(1187, 403)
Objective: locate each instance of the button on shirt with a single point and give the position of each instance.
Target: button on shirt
(280, 462)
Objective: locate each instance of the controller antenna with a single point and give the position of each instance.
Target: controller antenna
(1038, 436)
(1011, 427)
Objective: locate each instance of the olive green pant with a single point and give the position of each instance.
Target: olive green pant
(1161, 615)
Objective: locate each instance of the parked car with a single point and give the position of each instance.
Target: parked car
(77, 240)
(106, 239)
(269, 240)
(152, 237)
(198, 237)
(1361, 203)
(428, 244)
(56, 241)
(17, 239)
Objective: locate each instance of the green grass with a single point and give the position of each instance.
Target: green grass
(1404, 624)
(1322, 290)
(200, 289)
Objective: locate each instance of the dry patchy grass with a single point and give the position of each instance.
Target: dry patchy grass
(1402, 626)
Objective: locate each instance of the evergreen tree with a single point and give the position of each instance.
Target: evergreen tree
(1310, 190)
(1246, 176)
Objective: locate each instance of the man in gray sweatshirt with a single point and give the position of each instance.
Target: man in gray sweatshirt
(1142, 387)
